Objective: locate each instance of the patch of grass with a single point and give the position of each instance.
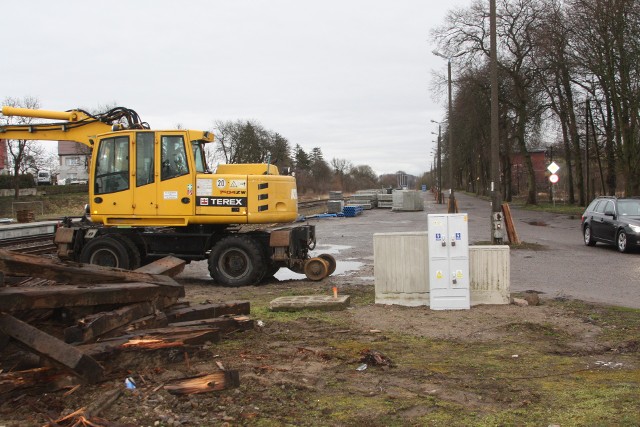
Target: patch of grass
(545, 206)
(52, 206)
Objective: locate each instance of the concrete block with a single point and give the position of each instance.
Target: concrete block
(490, 274)
(401, 268)
(310, 302)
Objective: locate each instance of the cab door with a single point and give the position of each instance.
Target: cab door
(175, 185)
(145, 177)
(111, 186)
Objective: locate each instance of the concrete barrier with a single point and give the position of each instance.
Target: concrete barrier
(401, 269)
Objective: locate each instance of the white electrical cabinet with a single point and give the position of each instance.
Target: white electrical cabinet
(448, 262)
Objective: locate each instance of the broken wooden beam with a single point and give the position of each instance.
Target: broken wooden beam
(98, 324)
(12, 263)
(167, 266)
(14, 299)
(52, 348)
(225, 324)
(204, 383)
(207, 311)
(152, 340)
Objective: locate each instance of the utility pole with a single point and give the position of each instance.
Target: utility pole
(497, 233)
(453, 206)
(439, 167)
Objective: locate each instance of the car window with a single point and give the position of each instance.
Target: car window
(629, 207)
(600, 207)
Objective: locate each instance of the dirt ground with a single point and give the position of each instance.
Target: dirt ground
(378, 365)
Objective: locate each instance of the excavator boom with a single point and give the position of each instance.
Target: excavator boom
(78, 125)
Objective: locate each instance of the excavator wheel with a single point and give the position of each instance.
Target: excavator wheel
(107, 252)
(237, 261)
(134, 253)
(316, 269)
(331, 261)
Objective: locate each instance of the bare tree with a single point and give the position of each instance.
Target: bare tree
(19, 148)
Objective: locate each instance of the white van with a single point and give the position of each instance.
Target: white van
(44, 178)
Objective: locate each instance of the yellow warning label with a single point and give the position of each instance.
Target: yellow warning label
(438, 274)
(459, 274)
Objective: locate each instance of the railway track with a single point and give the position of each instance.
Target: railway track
(32, 245)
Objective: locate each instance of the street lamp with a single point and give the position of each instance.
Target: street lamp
(439, 163)
(453, 207)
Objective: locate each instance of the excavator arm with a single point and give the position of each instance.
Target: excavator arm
(77, 125)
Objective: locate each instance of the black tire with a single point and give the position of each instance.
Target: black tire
(588, 238)
(621, 242)
(271, 271)
(134, 253)
(107, 252)
(237, 261)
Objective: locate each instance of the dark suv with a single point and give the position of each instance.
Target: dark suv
(613, 221)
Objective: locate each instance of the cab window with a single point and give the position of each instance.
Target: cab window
(174, 157)
(112, 165)
(198, 155)
(144, 158)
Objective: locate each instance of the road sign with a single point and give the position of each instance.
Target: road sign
(553, 168)
(553, 178)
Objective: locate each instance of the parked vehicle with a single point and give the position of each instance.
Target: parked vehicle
(44, 177)
(614, 221)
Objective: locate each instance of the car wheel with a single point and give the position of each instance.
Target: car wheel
(621, 242)
(588, 240)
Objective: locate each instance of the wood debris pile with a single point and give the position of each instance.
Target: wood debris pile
(88, 323)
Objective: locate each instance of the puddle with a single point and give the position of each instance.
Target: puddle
(328, 249)
(342, 267)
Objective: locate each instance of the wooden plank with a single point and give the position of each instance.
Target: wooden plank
(167, 266)
(45, 379)
(512, 234)
(154, 321)
(207, 311)
(204, 383)
(225, 324)
(151, 340)
(52, 348)
(12, 263)
(98, 324)
(14, 299)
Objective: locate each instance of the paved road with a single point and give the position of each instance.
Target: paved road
(562, 266)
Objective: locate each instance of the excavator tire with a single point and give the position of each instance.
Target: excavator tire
(107, 252)
(134, 253)
(237, 261)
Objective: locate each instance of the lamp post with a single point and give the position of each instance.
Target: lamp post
(439, 163)
(453, 207)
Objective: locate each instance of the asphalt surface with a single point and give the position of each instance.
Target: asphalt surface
(556, 262)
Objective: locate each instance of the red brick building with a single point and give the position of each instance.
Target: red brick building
(540, 162)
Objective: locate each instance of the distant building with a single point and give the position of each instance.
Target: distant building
(519, 178)
(75, 159)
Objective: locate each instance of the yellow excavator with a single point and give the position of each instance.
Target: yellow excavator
(152, 195)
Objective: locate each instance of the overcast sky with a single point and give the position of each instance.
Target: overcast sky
(351, 77)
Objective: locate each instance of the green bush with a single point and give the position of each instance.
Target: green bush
(26, 181)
